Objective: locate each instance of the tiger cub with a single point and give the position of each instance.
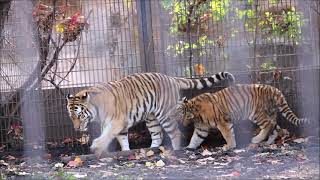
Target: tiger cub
(118, 105)
(256, 102)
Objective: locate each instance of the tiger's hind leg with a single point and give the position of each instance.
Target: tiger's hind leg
(227, 131)
(123, 140)
(266, 124)
(272, 136)
(198, 136)
(155, 130)
(171, 128)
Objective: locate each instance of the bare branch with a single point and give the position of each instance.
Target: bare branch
(45, 38)
(54, 84)
(74, 62)
(56, 75)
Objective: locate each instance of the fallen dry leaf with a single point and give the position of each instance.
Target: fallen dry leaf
(192, 156)
(301, 157)
(58, 165)
(166, 153)
(221, 164)
(204, 160)
(181, 161)
(206, 152)
(107, 173)
(2, 162)
(94, 166)
(273, 146)
(262, 154)
(72, 164)
(67, 140)
(11, 158)
(160, 163)
(76, 162)
(149, 164)
(23, 164)
(299, 140)
(108, 160)
(142, 151)
(23, 173)
(150, 153)
(131, 157)
(12, 169)
(130, 165)
(84, 139)
(239, 150)
(274, 161)
(140, 154)
(235, 173)
(200, 161)
(79, 175)
(218, 167)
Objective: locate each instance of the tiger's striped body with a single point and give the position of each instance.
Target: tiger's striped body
(258, 103)
(118, 105)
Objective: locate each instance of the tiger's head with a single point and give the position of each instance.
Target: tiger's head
(188, 110)
(79, 110)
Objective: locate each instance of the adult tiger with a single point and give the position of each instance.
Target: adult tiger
(118, 105)
(256, 102)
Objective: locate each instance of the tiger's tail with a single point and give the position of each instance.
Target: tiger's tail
(202, 83)
(285, 110)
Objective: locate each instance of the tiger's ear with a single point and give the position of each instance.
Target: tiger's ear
(84, 96)
(184, 100)
(181, 102)
(69, 96)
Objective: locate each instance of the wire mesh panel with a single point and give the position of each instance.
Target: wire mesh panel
(50, 48)
(74, 44)
(230, 35)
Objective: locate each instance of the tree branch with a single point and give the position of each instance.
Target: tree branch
(74, 62)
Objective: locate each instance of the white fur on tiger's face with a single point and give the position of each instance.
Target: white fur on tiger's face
(256, 102)
(118, 105)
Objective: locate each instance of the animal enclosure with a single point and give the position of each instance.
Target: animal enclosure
(49, 48)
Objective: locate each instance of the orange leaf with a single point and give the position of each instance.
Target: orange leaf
(199, 69)
(76, 163)
(235, 173)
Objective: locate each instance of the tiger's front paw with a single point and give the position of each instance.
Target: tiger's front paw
(228, 147)
(96, 148)
(189, 148)
(256, 139)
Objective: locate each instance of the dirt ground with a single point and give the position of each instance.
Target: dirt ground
(289, 158)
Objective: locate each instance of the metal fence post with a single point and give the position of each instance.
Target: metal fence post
(145, 35)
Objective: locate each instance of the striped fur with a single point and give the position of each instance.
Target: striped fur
(118, 105)
(258, 103)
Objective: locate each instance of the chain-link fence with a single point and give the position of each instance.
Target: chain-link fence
(49, 48)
